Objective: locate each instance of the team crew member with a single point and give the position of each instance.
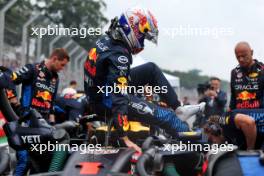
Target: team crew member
(39, 88)
(11, 91)
(40, 83)
(247, 132)
(70, 91)
(247, 80)
(108, 64)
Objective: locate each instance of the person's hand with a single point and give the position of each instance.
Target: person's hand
(213, 93)
(163, 104)
(131, 144)
(207, 93)
(210, 93)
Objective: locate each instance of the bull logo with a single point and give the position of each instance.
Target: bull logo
(245, 95)
(45, 95)
(92, 55)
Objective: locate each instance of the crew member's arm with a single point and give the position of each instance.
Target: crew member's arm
(118, 77)
(221, 99)
(25, 74)
(248, 126)
(4, 80)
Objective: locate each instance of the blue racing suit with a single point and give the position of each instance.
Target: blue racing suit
(247, 87)
(108, 67)
(234, 135)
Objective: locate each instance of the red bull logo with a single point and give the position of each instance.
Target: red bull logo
(37, 103)
(245, 95)
(123, 122)
(92, 54)
(248, 105)
(143, 22)
(45, 95)
(143, 27)
(89, 67)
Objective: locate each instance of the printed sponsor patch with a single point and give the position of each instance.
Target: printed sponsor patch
(122, 59)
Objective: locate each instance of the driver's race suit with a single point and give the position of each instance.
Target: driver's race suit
(247, 87)
(108, 67)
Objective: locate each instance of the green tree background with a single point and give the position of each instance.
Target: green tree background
(192, 78)
(66, 13)
(76, 14)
